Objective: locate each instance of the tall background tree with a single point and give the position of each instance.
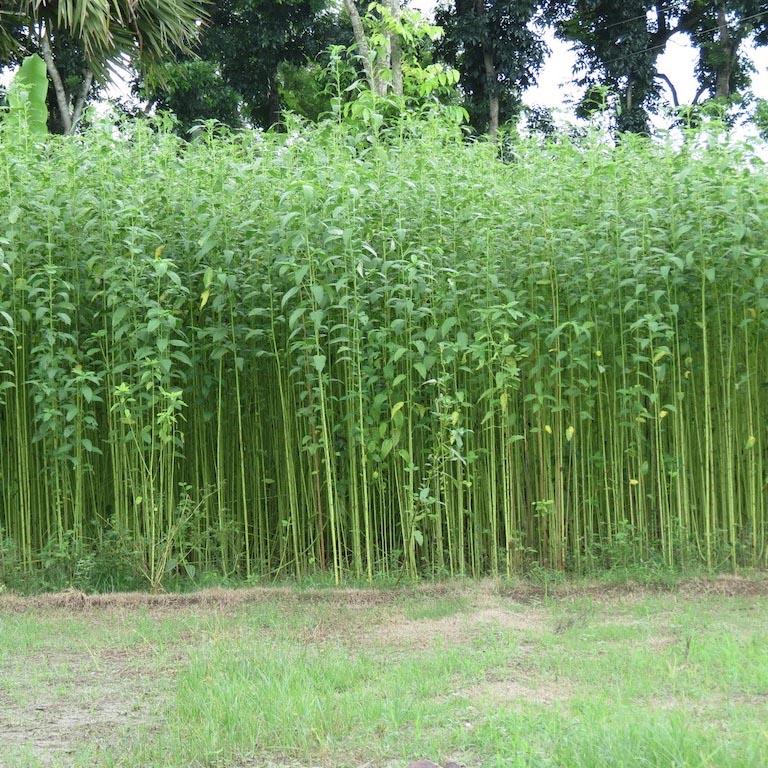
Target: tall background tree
(192, 89)
(71, 65)
(251, 58)
(497, 50)
(720, 29)
(618, 43)
(250, 39)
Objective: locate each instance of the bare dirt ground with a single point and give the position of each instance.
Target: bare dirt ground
(88, 698)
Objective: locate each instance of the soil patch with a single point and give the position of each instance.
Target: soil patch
(456, 629)
(508, 691)
(94, 700)
(74, 600)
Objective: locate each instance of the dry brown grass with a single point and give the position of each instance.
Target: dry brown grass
(514, 592)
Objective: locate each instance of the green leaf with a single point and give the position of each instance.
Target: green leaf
(27, 96)
(318, 294)
(447, 326)
(295, 317)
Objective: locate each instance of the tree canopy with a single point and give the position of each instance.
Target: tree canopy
(242, 62)
(619, 43)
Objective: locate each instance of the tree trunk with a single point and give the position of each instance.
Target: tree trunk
(273, 104)
(396, 53)
(493, 96)
(490, 74)
(383, 66)
(362, 44)
(81, 99)
(726, 57)
(493, 115)
(62, 100)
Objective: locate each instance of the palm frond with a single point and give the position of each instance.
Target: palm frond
(10, 18)
(109, 29)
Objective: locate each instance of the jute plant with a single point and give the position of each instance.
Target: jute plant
(379, 355)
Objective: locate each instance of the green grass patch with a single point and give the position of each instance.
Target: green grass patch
(646, 681)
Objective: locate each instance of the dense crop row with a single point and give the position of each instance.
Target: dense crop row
(270, 356)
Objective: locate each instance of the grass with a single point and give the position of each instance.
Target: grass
(599, 678)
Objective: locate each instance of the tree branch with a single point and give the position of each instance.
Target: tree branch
(81, 99)
(672, 88)
(698, 95)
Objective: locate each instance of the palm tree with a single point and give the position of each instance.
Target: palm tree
(107, 32)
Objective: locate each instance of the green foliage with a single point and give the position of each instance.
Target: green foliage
(429, 89)
(84, 42)
(106, 30)
(502, 30)
(70, 61)
(27, 97)
(410, 29)
(619, 44)
(304, 90)
(761, 118)
(194, 91)
(384, 351)
(719, 29)
(249, 40)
